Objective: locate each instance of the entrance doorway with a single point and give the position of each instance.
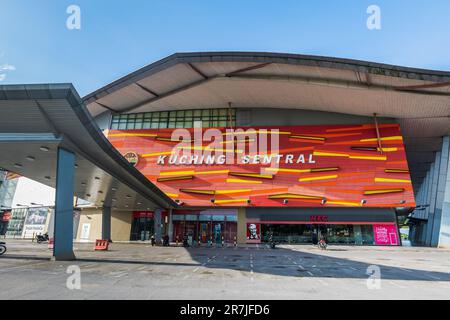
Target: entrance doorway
(142, 227)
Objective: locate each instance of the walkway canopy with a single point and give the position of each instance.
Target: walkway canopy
(418, 99)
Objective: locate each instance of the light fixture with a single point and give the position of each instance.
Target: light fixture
(97, 178)
(18, 165)
(88, 194)
(47, 177)
(128, 196)
(113, 199)
(324, 200)
(114, 207)
(213, 200)
(285, 201)
(363, 201)
(249, 201)
(139, 203)
(403, 201)
(126, 206)
(30, 158)
(44, 148)
(36, 204)
(113, 189)
(100, 191)
(76, 166)
(83, 183)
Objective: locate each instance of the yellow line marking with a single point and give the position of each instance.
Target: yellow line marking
(329, 154)
(232, 191)
(381, 158)
(369, 192)
(173, 195)
(392, 180)
(294, 196)
(212, 172)
(148, 155)
(318, 178)
(174, 173)
(344, 203)
(383, 139)
(230, 201)
(243, 181)
(132, 135)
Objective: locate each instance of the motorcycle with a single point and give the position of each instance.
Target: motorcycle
(323, 244)
(42, 238)
(2, 248)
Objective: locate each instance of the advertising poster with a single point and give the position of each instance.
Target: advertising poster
(35, 222)
(253, 233)
(385, 234)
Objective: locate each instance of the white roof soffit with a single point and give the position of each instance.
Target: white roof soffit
(419, 99)
(37, 119)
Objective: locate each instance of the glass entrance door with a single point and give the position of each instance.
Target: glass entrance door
(142, 229)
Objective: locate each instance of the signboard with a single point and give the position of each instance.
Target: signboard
(289, 166)
(253, 232)
(385, 234)
(85, 229)
(35, 222)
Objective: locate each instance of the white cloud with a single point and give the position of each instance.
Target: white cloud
(7, 67)
(2, 76)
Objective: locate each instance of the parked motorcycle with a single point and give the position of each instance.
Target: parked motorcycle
(42, 238)
(2, 248)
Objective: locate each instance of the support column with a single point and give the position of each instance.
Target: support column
(432, 181)
(157, 224)
(63, 228)
(106, 223)
(170, 228)
(441, 226)
(442, 174)
(241, 226)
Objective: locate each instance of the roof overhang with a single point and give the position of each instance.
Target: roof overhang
(418, 99)
(35, 120)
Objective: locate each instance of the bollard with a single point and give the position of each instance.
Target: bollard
(235, 242)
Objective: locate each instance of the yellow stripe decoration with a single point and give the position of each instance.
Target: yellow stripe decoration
(318, 178)
(174, 173)
(232, 191)
(175, 178)
(324, 169)
(251, 175)
(197, 191)
(393, 138)
(212, 172)
(148, 155)
(255, 131)
(329, 154)
(229, 201)
(237, 141)
(307, 137)
(381, 158)
(381, 191)
(392, 180)
(345, 203)
(243, 181)
(294, 196)
(207, 148)
(396, 170)
(171, 140)
(172, 195)
(132, 135)
(287, 170)
(393, 149)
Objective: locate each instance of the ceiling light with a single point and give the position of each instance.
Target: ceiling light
(47, 177)
(113, 189)
(128, 196)
(88, 194)
(113, 199)
(44, 148)
(18, 165)
(83, 183)
(100, 191)
(30, 158)
(139, 203)
(97, 178)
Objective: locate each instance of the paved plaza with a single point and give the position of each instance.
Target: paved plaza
(139, 271)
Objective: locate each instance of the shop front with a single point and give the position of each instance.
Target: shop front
(337, 226)
(203, 226)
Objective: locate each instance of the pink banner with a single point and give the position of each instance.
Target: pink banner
(385, 234)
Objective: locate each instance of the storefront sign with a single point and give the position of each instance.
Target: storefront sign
(35, 222)
(132, 157)
(385, 234)
(142, 214)
(318, 219)
(6, 216)
(253, 232)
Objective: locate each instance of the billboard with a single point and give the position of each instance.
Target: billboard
(290, 166)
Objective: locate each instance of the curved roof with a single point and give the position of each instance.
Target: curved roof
(419, 99)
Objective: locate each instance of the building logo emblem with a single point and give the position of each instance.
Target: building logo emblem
(132, 157)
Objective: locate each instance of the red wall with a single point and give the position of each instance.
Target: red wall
(356, 171)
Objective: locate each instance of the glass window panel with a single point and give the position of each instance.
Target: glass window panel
(205, 112)
(215, 112)
(122, 126)
(131, 117)
(188, 124)
(197, 113)
(172, 114)
(218, 217)
(147, 115)
(164, 114)
(171, 125)
(155, 125)
(222, 124)
(178, 217)
(205, 217)
(130, 125)
(223, 112)
(188, 113)
(205, 124)
(146, 125)
(231, 218)
(139, 116)
(179, 125)
(115, 126)
(180, 113)
(138, 125)
(123, 117)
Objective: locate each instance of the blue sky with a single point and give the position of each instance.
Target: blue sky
(117, 37)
